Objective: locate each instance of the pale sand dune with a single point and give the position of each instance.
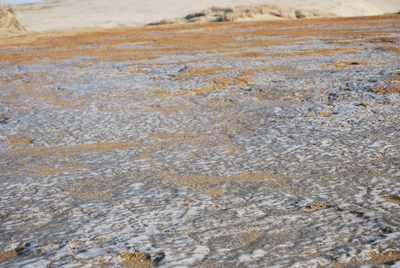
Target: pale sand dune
(8, 24)
(51, 15)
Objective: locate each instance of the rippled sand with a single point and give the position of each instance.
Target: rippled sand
(263, 144)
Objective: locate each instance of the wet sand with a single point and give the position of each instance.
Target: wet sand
(257, 144)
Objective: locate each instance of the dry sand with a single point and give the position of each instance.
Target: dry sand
(8, 23)
(52, 15)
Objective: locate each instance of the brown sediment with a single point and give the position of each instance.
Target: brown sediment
(391, 198)
(101, 260)
(208, 190)
(203, 71)
(364, 104)
(211, 185)
(259, 176)
(33, 89)
(102, 188)
(20, 140)
(250, 236)
(241, 177)
(72, 149)
(394, 49)
(250, 72)
(349, 63)
(25, 76)
(21, 203)
(385, 39)
(249, 55)
(390, 89)
(321, 52)
(169, 109)
(234, 149)
(193, 40)
(379, 259)
(202, 90)
(392, 85)
(142, 156)
(53, 243)
(318, 206)
(137, 260)
(186, 138)
(325, 113)
(6, 255)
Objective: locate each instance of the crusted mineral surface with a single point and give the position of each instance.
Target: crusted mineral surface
(253, 144)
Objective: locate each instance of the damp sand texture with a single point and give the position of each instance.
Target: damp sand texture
(252, 144)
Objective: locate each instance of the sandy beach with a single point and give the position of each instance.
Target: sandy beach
(53, 15)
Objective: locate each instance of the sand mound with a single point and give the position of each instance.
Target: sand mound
(288, 10)
(248, 12)
(8, 23)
